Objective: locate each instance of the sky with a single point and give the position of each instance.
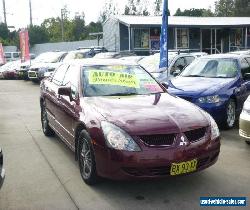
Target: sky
(18, 10)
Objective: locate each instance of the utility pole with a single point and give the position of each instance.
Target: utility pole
(30, 13)
(4, 13)
(62, 25)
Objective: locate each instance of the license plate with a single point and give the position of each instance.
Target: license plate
(183, 167)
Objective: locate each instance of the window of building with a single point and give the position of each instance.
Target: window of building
(141, 38)
(182, 38)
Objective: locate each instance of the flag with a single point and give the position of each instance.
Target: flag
(164, 37)
(24, 45)
(2, 58)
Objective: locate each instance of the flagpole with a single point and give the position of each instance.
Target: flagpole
(164, 39)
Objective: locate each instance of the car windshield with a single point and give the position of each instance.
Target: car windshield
(212, 67)
(77, 55)
(151, 63)
(118, 80)
(50, 57)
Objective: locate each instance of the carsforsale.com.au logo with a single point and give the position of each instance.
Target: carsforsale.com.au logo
(223, 201)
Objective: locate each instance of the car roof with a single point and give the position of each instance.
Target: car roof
(226, 55)
(93, 61)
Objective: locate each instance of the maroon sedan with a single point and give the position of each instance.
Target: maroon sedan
(122, 124)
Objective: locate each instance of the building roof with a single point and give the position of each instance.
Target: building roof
(131, 20)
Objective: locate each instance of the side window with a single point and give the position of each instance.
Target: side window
(245, 67)
(189, 59)
(71, 79)
(179, 64)
(59, 74)
(248, 59)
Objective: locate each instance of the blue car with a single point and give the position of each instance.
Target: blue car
(219, 84)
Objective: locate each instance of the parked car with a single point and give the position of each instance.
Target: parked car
(110, 55)
(77, 54)
(2, 171)
(122, 124)
(25, 66)
(241, 52)
(176, 62)
(10, 70)
(244, 128)
(47, 62)
(219, 84)
(132, 58)
(12, 56)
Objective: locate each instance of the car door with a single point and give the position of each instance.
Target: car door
(69, 109)
(52, 99)
(245, 82)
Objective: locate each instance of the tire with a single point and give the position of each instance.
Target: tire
(230, 115)
(86, 159)
(47, 130)
(248, 142)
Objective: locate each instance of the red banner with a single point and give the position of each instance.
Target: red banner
(2, 58)
(24, 45)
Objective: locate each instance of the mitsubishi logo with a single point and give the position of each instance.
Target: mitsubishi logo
(183, 141)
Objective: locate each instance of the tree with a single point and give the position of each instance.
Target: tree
(38, 35)
(157, 7)
(109, 9)
(194, 12)
(79, 29)
(242, 8)
(130, 8)
(225, 8)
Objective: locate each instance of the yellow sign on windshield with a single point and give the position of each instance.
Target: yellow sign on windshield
(97, 77)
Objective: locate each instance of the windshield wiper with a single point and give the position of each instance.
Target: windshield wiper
(194, 75)
(122, 94)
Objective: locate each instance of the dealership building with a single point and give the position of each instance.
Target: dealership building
(141, 34)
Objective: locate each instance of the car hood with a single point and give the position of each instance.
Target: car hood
(44, 65)
(197, 85)
(149, 114)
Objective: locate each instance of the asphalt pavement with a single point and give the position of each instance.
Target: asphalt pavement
(41, 172)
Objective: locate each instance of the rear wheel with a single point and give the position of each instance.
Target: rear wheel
(47, 130)
(248, 142)
(230, 114)
(87, 159)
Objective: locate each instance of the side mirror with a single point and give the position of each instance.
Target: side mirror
(246, 76)
(165, 85)
(48, 74)
(176, 72)
(65, 91)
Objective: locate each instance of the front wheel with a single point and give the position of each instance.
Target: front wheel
(248, 142)
(230, 114)
(87, 159)
(47, 130)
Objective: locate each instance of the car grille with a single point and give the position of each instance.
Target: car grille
(195, 135)
(158, 140)
(32, 74)
(156, 171)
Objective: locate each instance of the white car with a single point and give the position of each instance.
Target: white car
(176, 62)
(46, 62)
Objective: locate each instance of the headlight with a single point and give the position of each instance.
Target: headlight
(215, 132)
(246, 106)
(209, 99)
(117, 138)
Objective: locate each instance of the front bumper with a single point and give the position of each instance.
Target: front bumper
(244, 125)
(217, 111)
(153, 162)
